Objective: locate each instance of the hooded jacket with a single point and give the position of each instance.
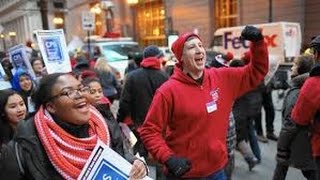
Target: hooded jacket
(300, 157)
(189, 120)
(139, 89)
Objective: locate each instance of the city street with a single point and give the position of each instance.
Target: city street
(263, 171)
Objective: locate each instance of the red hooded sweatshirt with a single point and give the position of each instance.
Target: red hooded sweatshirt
(305, 109)
(190, 120)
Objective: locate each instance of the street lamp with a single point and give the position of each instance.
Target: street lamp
(2, 36)
(12, 36)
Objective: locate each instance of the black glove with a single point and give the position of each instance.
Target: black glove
(283, 156)
(251, 33)
(178, 166)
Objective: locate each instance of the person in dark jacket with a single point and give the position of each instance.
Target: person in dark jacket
(57, 142)
(245, 109)
(300, 158)
(102, 104)
(138, 91)
(305, 113)
(13, 110)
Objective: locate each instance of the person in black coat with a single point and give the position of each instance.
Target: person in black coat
(301, 154)
(138, 91)
(245, 110)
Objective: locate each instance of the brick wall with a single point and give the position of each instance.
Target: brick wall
(188, 15)
(312, 22)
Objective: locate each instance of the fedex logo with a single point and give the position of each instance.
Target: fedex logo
(236, 43)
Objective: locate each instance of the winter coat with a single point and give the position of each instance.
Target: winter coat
(307, 106)
(138, 91)
(109, 83)
(300, 158)
(188, 119)
(34, 162)
(249, 104)
(245, 109)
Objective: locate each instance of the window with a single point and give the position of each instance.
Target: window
(150, 22)
(225, 13)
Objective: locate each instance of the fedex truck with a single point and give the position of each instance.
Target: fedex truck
(283, 40)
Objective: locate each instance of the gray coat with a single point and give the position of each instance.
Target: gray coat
(300, 150)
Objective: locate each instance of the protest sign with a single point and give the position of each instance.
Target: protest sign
(53, 48)
(106, 164)
(3, 83)
(18, 58)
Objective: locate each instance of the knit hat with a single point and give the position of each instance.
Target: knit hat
(223, 59)
(315, 43)
(177, 46)
(152, 51)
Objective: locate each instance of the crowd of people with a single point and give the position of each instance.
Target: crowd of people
(189, 118)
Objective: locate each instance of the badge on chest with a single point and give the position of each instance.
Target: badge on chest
(212, 105)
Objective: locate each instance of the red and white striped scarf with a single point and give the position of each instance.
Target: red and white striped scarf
(68, 154)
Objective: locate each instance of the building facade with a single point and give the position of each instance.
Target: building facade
(151, 21)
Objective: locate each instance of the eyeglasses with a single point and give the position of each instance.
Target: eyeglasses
(72, 93)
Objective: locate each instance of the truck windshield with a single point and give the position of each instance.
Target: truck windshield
(118, 52)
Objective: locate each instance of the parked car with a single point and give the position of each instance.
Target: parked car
(116, 51)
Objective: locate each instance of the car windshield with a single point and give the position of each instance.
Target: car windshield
(118, 52)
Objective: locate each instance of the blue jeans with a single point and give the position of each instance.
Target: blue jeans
(254, 141)
(220, 175)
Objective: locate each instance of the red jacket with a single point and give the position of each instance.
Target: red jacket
(306, 107)
(178, 122)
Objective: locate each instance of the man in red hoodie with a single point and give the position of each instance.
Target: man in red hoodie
(306, 112)
(186, 125)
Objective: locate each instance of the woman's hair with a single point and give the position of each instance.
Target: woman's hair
(4, 96)
(102, 65)
(304, 63)
(6, 131)
(34, 59)
(44, 92)
(89, 80)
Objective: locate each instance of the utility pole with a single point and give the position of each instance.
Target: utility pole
(270, 11)
(43, 4)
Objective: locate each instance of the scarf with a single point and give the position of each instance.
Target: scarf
(68, 154)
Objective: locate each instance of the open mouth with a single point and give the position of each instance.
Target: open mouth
(83, 107)
(199, 59)
(21, 116)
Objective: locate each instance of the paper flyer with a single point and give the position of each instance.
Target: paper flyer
(273, 67)
(53, 48)
(106, 164)
(18, 58)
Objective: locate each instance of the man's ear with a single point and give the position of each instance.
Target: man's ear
(50, 107)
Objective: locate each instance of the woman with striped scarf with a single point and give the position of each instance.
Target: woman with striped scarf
(58, 140)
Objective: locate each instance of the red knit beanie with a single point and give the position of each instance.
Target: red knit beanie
(177, 46)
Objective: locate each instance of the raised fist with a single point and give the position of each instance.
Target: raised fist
(251, 33)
